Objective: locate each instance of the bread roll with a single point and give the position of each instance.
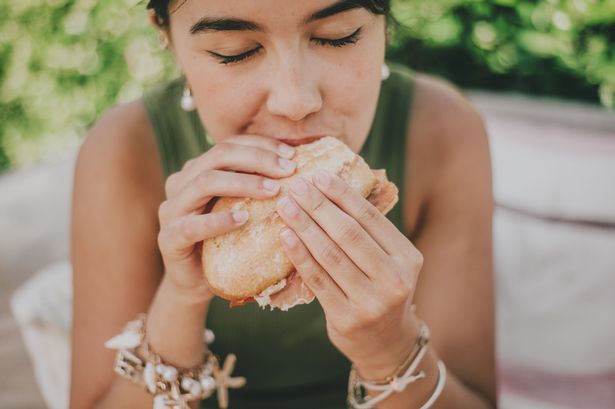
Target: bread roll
(243, 264)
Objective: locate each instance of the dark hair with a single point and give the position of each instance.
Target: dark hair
(161, 7)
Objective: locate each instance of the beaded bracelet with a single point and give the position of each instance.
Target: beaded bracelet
(172, 388)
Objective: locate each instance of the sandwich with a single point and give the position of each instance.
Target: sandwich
(249, 264)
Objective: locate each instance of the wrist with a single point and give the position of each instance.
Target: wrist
(387, 362)
(195, 297)
(176, 323)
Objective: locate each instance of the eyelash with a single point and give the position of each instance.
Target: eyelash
(338, 42)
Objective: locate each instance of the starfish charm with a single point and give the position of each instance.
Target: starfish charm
(224, 381)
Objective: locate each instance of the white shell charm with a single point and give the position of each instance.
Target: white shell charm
(163, 402)
(169, 373)
(208, 383)
(125, 340)
(191, 386)
(149, 377)
(209, 336)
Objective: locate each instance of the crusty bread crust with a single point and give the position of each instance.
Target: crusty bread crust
(241, 264)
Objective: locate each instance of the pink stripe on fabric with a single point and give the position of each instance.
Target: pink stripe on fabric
(555, 138)
(607, 225)
(593, 391)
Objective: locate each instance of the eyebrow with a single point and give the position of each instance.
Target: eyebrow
(223, 24)
(206, 24)
(336, 8)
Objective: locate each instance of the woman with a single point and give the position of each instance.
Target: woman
(261, 77)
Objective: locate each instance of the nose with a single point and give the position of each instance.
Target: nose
(294, 91)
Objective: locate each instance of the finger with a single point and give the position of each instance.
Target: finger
(233, 157)
(325, 251)
(264, 142)
(345, 231)
(329, 294)
(177, 240)
(212, 183)
(381, 229)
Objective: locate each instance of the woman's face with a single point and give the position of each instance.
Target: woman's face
(289, 70)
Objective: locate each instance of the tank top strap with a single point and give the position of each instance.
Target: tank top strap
(179, 134)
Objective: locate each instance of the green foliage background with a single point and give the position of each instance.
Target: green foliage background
(63, 62)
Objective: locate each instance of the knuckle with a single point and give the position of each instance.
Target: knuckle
(414, 259)
(419, 259)
(338, 188)
(341, 187)
(368, 213)
(185, 229)
(170, 184)
(188, 164)
(331, 255)
(204, 179)
(399, 293)
(358, 321)
(215, 221)
(263, 156)
(223, 148)
(236, 139)
(350, 233)
(347, 328)
(316, 280)
(318, 204)
(372, 315)
(163, 211)
(162, 240)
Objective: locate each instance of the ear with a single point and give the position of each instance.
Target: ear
(157, 23)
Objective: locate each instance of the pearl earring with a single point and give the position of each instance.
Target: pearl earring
(385, 72)
(187, 102)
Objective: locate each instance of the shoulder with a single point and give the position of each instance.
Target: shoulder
(444, 120)
(121, 132)
(448, 148)
(121, 148)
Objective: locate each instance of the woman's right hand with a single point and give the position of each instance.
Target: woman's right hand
(241, 166)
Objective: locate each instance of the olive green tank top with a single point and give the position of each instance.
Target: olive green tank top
(286, 357)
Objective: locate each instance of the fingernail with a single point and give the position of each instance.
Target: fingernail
(271, 186)
(322, 178)
(298, 186)
(286, 150)
(288, 206)
(286, 164)
(289, 238)
(240, 216)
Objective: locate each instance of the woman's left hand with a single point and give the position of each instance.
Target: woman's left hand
(362, 269)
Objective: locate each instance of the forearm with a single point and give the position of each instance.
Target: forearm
(175, 327)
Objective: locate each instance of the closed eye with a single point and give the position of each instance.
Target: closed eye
(340, 42)
(230, 59)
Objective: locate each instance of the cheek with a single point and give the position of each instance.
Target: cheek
(224, 106)
(352, 95)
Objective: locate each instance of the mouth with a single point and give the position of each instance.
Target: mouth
(301, 141)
